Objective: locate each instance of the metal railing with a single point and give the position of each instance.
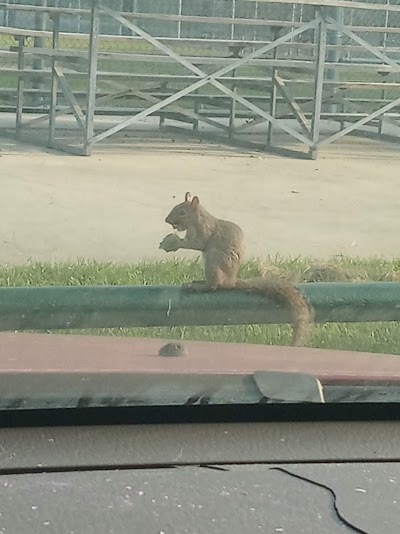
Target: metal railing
(73, 307)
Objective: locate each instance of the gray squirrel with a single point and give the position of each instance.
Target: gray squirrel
(222, 245)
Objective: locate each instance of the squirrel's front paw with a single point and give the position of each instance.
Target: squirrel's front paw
(170, 243)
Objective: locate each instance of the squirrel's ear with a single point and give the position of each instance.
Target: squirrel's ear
(195, 202)
(188, 197)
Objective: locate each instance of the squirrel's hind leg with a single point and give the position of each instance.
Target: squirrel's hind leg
(197, 285)
(220, 272)
(215, 279)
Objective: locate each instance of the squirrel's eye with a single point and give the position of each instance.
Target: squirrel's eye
(182, 212)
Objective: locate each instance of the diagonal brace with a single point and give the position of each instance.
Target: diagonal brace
(293, 105)
(383, 57)
(179, 109)
(205, 78)
(361, 122)
(70, 97)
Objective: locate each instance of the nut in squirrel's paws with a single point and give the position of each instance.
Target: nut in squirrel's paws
(170, 243)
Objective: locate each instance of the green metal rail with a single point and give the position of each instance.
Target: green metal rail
(41, 308)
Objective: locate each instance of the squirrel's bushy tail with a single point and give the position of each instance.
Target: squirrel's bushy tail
(285, 293)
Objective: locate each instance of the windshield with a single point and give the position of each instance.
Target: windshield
(220, 171)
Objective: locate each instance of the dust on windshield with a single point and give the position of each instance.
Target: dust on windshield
(229, 167)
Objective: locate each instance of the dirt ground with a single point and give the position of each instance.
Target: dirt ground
(111, 206)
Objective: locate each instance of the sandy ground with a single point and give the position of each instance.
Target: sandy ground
(112, 206)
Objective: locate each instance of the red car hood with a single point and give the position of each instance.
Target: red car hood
(21, 352)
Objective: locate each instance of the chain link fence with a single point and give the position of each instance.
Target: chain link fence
(79, 23)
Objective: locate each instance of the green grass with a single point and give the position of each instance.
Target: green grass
(373, 337)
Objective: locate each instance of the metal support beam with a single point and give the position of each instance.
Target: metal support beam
(196, 109)
(361, 122)
(235, 52)
(333, 55)
(279, 84)
(33, 308)
(85, 122)
(374, 51)
(319, 87)
(193, 115)
(66, 110)
(232, 111)
(39, 42)
(273, 95)
(70, 98)
(293, 105)
(183, 111)
(20, 89)
(92, 82)
(338, 24)
(54, 81)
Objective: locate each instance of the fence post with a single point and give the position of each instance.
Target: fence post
(334, 37)
(21, 85)
(54, 81)
(39, 42)
(92, 81)
(318, 84)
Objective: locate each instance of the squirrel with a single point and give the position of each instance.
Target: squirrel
(222, 245)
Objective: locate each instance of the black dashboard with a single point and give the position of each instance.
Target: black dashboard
(289, 477)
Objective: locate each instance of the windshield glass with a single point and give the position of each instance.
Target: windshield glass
(220, 171)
